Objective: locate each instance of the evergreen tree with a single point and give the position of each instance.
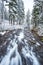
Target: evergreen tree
(6, 14)
(20, 11)
(28, 19)
(12, 10)
(16, 10)
(37, 15)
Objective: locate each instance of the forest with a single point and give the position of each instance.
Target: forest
(21, 32)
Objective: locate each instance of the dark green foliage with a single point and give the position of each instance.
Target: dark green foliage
(37, 14)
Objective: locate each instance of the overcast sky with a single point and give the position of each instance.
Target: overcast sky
(28, 4)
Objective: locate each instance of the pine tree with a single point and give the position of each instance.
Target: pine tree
(37, 15)
(16, 10)
(12, 10)
(28, 19)
(20, 11)
(6, 14)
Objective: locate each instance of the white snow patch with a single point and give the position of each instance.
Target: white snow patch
(37, 44)
(33, 38)
(2, 33)
(21, 36)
